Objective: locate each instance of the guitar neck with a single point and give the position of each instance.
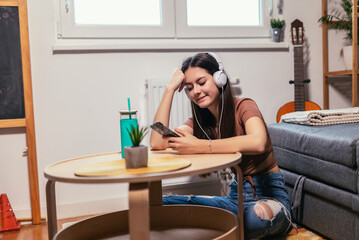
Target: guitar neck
(299, 90)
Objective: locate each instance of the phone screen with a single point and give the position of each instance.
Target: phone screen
(163, 130)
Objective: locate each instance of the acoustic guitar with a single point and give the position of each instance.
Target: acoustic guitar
(299, 104)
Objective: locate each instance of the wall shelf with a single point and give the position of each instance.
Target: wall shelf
(354, 72)
(339, 73)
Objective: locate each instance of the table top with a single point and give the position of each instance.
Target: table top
(200, 164)
(118, 167)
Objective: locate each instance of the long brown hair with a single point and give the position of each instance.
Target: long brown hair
(204, 116)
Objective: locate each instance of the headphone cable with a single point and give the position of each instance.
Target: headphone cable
(195, 116)
(220, 120)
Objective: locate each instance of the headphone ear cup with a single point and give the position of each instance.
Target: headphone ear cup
(220, 78)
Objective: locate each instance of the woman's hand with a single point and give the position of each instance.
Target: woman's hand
(164, 108)
(186, 144)
(177, 80)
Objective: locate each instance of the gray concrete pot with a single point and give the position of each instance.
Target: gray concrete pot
(136, 157)
(276, 34)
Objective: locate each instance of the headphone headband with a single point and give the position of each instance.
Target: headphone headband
(218, 60)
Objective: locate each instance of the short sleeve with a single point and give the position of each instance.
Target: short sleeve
(245, 109)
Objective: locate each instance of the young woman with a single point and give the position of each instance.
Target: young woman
(224, 124)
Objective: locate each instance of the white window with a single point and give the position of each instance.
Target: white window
(221, 18)
(116, 19)
(117, 12)
(167, 19)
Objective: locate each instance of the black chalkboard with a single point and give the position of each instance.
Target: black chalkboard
(11, 77)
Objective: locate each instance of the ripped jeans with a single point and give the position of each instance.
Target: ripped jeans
(268, 187)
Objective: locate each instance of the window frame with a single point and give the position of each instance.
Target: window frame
(174, 26)
(184, 31)
(68, 29)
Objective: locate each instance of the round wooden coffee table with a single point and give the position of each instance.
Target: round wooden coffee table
(146, 217)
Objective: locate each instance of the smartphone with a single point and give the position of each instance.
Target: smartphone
(163, 130)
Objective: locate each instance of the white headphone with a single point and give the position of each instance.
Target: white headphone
(219, 77)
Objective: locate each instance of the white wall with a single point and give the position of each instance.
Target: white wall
(77, 98)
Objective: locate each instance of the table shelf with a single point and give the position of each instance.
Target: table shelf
(167, 222)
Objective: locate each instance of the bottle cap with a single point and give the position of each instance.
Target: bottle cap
(127, 112)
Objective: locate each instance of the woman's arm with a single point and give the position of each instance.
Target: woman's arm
(254, 142)
(164, 109)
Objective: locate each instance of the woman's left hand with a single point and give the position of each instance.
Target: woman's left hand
(186, 144)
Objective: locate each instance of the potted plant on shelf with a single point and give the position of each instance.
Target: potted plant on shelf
(136, 156)
(276, 30)
(341, 20)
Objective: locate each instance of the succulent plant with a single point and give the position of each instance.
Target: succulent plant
(277, 23)
(137, 134)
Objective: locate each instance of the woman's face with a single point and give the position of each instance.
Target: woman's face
(201, 87)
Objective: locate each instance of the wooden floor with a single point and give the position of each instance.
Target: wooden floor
(39, 232)
(29, 231)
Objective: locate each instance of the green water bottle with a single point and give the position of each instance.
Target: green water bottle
(128, 118)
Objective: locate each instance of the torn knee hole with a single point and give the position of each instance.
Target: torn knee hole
(263, 211)
(267, 209)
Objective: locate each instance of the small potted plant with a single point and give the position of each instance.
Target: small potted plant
(341, 20)
(136, 156)
(276, 30)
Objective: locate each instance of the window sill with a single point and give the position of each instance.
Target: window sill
(150, 45)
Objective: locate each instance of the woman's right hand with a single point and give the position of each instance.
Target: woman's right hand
(177, 80)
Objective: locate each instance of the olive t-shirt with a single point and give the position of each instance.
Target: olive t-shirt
(245, 108)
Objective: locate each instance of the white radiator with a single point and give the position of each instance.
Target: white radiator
(181, 107)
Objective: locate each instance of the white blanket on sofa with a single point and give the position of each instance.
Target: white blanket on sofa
(323, 117)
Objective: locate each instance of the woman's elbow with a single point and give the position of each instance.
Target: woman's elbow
(156, 142)
(261, 149)
(261, 146)
(157, 146)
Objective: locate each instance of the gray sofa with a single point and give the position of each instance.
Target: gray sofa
(320, 166)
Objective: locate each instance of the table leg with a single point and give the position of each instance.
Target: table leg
(156, 193)
(51, 209)
(240, 201)
(139, 214)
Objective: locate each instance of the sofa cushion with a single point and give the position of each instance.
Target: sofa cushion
(324, 191)
(335, 143)
(327, 172)
(325, 209)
